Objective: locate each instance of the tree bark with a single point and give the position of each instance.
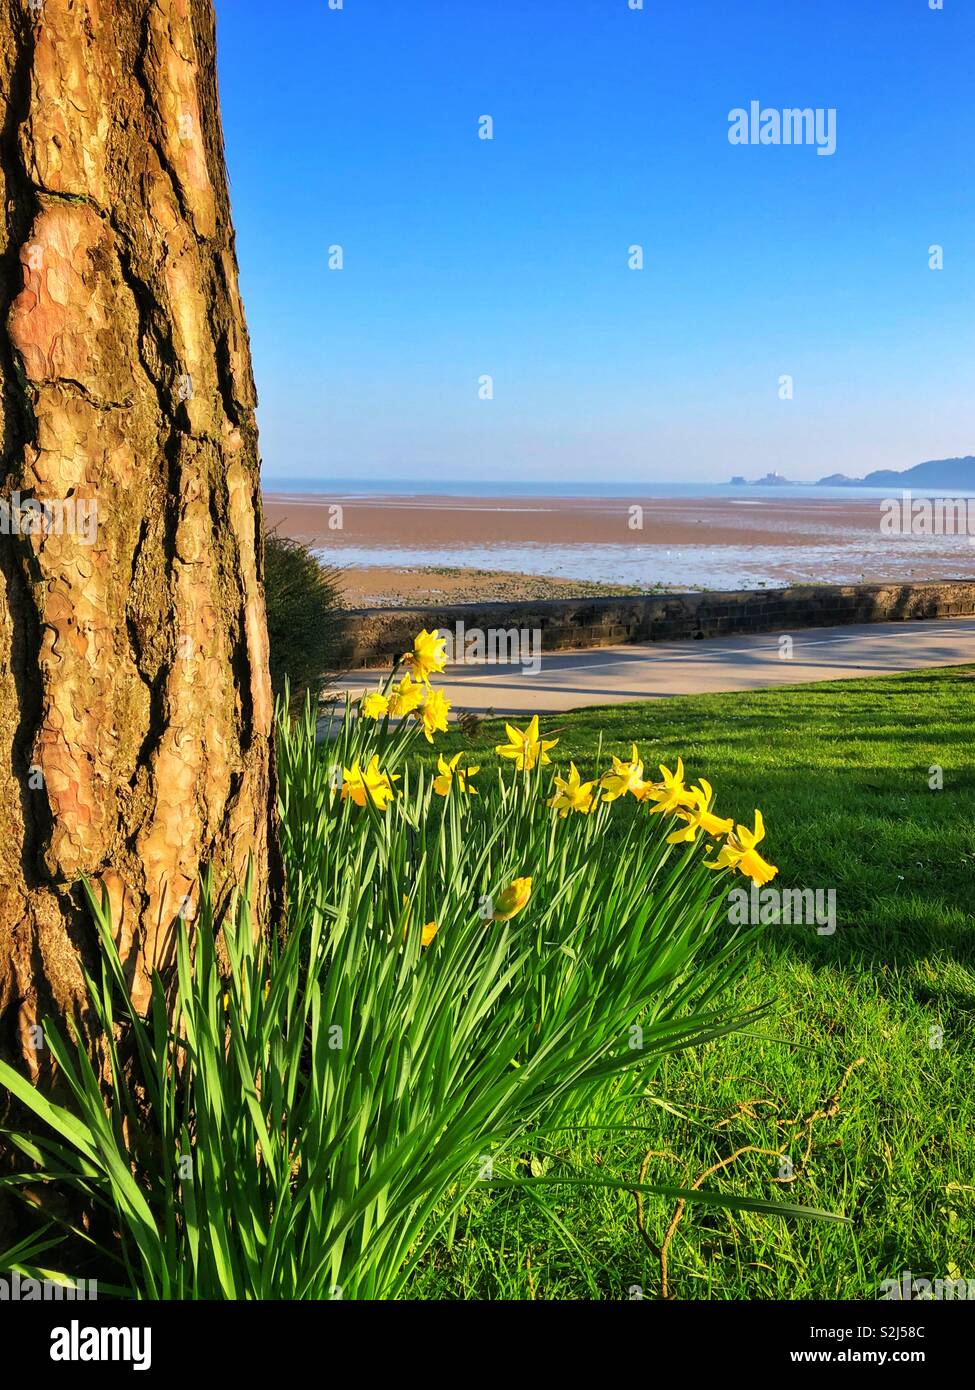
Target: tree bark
(134, 690)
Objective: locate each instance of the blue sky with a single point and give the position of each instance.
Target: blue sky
(466, 257)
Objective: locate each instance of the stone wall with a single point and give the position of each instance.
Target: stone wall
(373, 636)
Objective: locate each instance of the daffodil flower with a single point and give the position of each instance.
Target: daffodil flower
(525, 747)
(374, 705)
(511, 900)
(625, 777)
(572, 794)
(376, 786)
(404, 698)
(433, 714)
(671, 794)
(427, 932)
(451, 774)
(700, 818)
(738, 852)
(428, 657)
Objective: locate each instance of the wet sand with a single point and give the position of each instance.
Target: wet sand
(413, 549)
(432, 521)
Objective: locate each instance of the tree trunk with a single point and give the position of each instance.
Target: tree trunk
(134, 689)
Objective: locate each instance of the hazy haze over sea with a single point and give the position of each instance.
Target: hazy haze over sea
(485, 487)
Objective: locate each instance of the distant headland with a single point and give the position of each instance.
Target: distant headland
(958, 472)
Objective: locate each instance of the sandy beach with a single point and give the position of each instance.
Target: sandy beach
(410, 549)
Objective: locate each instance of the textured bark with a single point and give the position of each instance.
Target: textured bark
(135, 707)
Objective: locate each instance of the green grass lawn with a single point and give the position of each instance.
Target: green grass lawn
(841, 772)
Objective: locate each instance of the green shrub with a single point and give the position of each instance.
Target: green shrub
(303, 599)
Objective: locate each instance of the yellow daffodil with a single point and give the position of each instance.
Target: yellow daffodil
(376, 786)
(701, 817)
(671, 794)
(428, 657)
(511, 900)
(226, 997)
(525, 747)
(738, 852)
(572, 794)
(374, 705)
(451, 774)
(433, 714)
(404, 697)
(427, 932)
(625, 777)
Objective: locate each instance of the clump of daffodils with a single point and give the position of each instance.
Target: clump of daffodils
(692, 805)
(413, 695)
